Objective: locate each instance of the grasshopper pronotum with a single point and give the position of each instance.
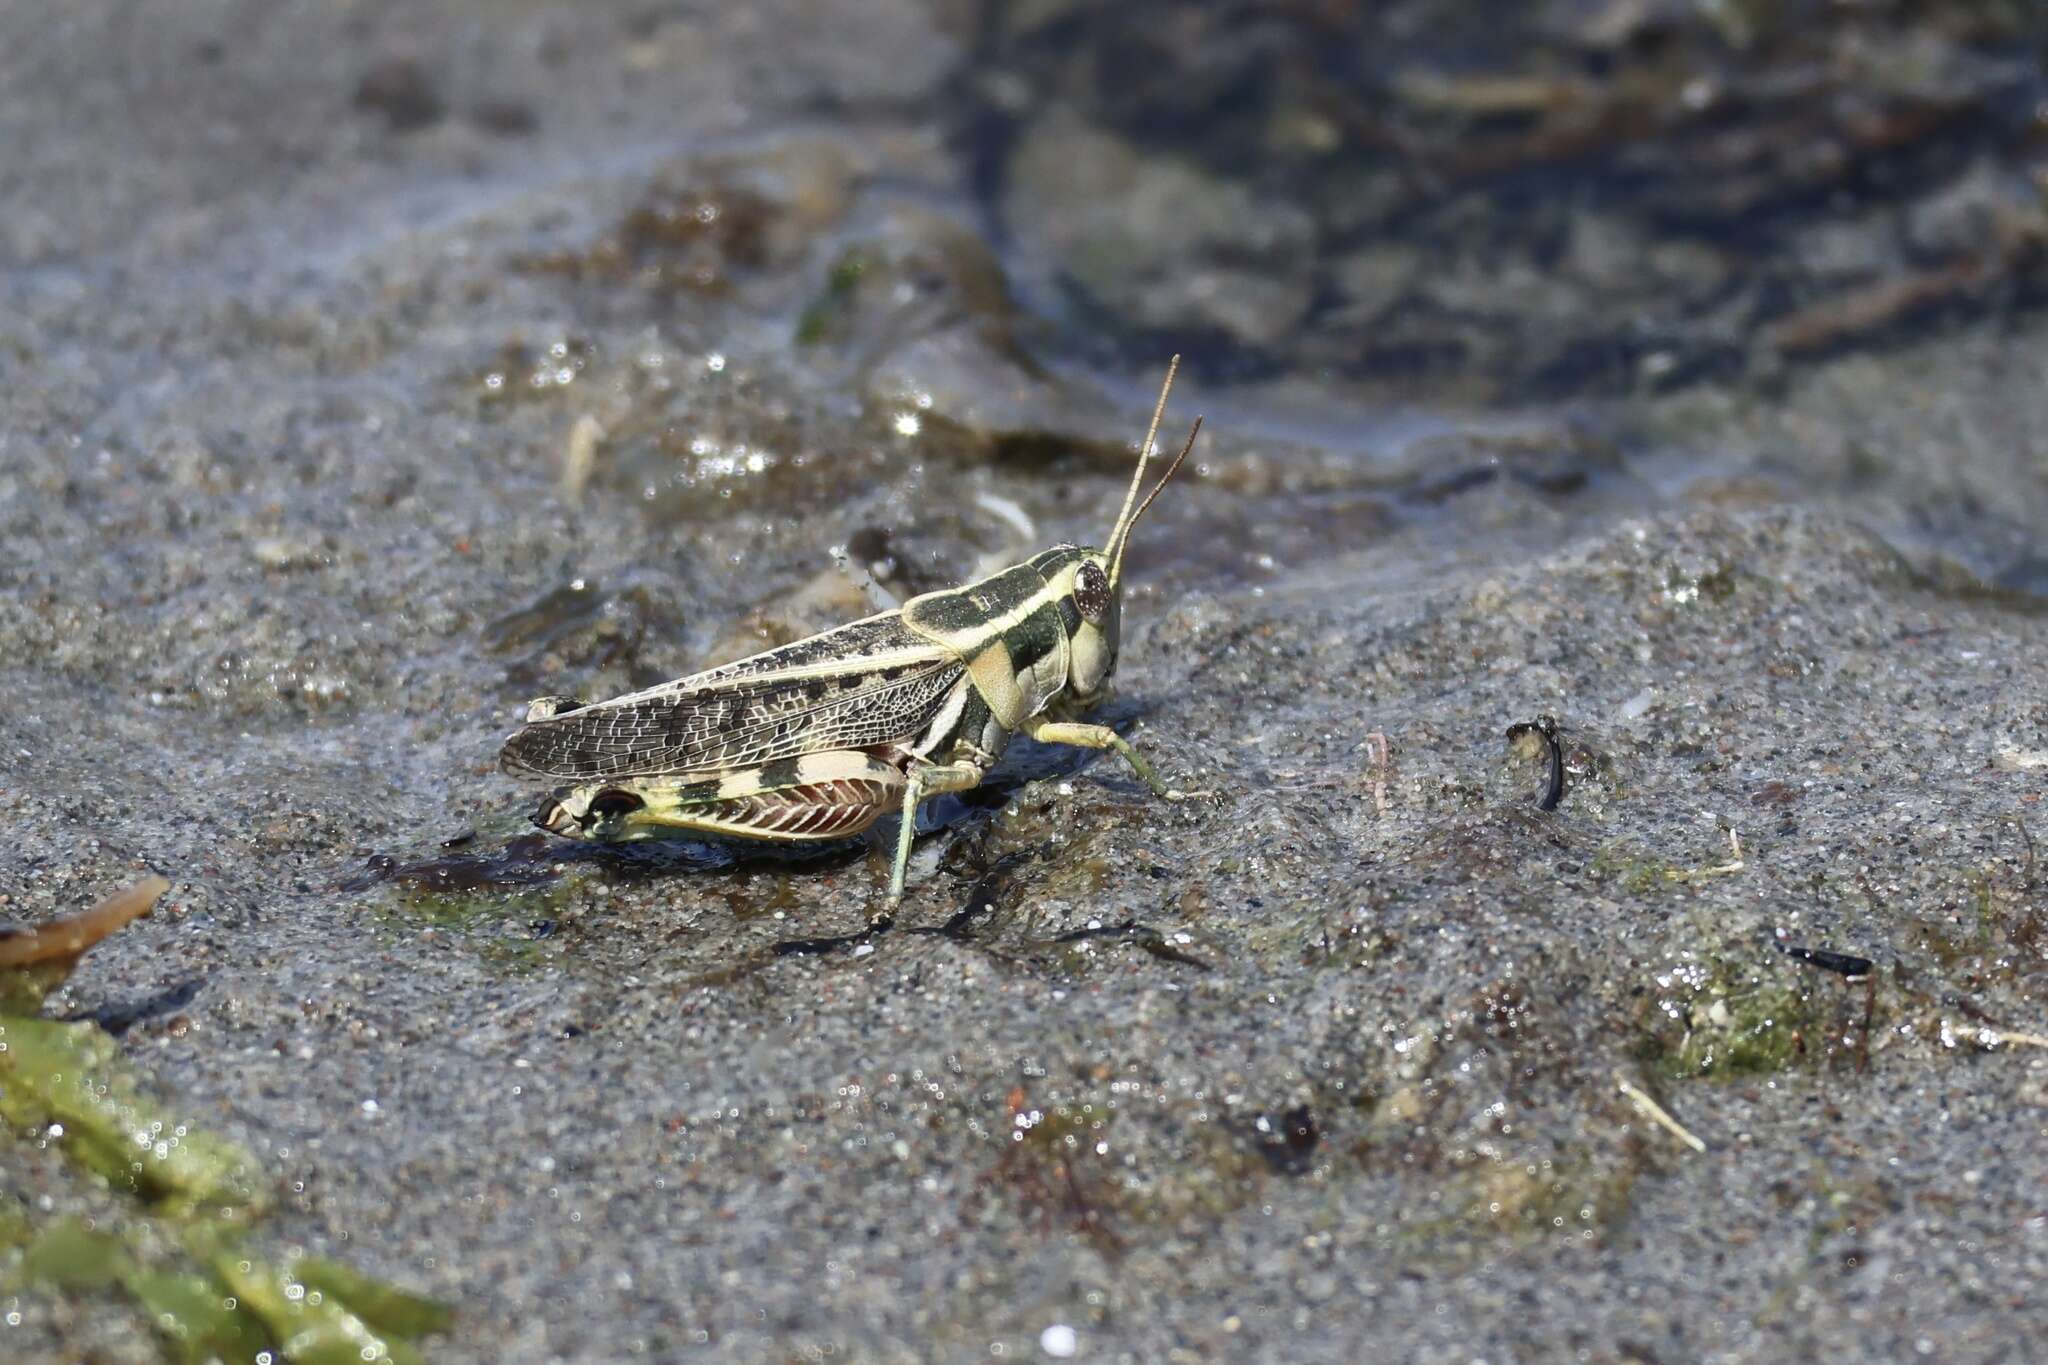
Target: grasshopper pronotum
(821, 737)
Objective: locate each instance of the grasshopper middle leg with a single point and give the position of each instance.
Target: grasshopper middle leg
(921, 783)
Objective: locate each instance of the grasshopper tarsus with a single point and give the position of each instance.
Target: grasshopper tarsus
(820, 738)
(878, 924)
(819, 947)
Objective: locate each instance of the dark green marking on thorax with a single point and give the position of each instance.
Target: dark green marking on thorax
(1070, 615)
(967, 727)
(1034, 637)
(962, 611)
(974, 719)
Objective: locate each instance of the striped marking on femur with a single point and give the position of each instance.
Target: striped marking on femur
(817, 809)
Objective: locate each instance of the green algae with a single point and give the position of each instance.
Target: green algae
(1483, 1202)
(1738, 1012)
(1631, 869)
(470, 911)
(22, 988)
(383, 1306)
(1641, 873)
(1983, 925)
(309, 1325)
(504, 903)
(71, 1254)
(180, 1257)
(182, 1260)
(208, 1299)
(197, 1319)
(826, 313)
(505, 928)
(67, 1080)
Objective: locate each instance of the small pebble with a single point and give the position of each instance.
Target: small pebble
(1059, 1341)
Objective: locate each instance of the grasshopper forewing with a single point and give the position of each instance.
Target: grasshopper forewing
(819, 738)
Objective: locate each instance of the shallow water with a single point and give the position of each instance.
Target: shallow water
(1676, 380)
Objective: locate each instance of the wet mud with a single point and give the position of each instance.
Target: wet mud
(1607, 599)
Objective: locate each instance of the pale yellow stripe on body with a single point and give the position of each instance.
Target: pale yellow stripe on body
(994, 675)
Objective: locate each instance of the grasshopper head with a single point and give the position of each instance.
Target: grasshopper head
(1091, 648)
(1096, 582)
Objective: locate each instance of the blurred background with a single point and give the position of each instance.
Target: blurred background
(1796, 244)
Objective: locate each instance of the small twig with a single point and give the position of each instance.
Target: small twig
(1993, 1037)
(1383, 751)
(1842, 964)
(579, 460)
(1735, 864)
(1659, 1113)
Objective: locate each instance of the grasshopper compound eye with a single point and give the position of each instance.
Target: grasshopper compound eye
(1091, 593)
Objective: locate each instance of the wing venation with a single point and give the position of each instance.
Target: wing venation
(870, 683)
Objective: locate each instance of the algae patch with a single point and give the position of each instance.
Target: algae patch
(67, 1082)
(181, 1254)
(317, 1325)
(208, 1298)
(1737, 1012)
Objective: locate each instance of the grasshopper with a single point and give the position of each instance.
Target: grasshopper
(819, 738)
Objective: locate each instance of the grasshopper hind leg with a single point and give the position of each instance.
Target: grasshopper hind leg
(832, 795)
(822, 796)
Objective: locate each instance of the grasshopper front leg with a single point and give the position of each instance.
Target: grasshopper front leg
(1102, 737)
(920, 783)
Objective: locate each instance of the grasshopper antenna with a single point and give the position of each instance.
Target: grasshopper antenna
(1120, 531)
(1194, 431)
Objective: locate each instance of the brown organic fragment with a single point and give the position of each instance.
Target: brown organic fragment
(71, 935)
(36, 960)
